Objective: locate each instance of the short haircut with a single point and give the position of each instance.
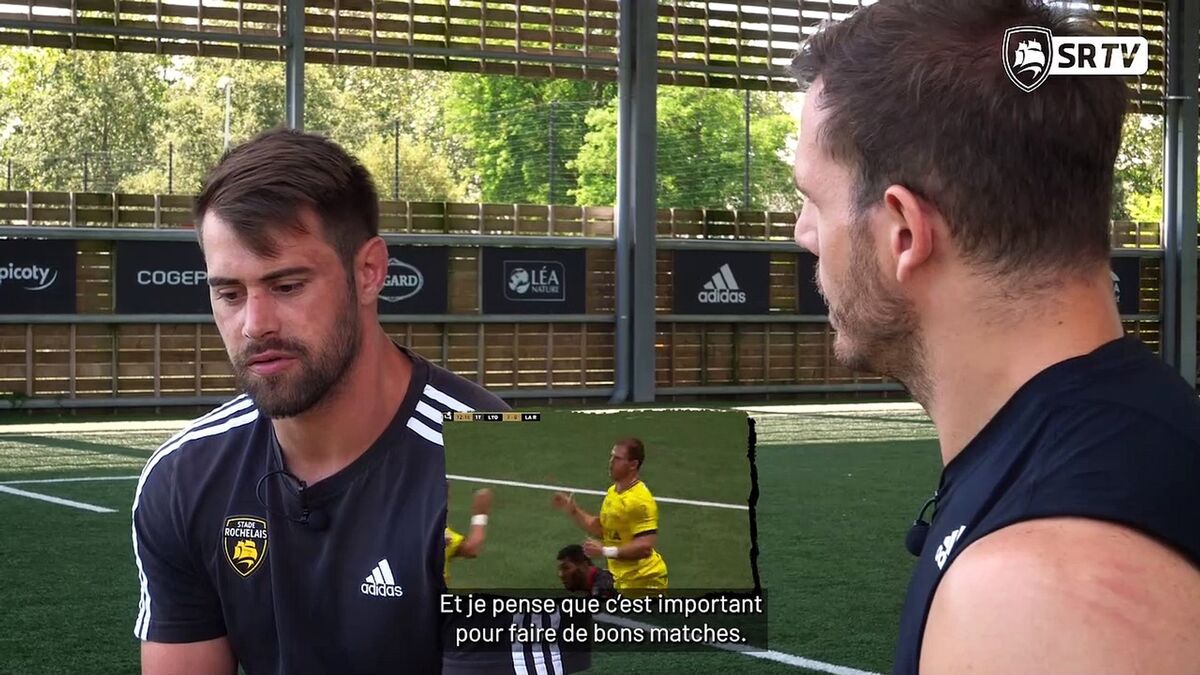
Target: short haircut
(574, 553)
(635, 448)
(260, 186)
(918, 96)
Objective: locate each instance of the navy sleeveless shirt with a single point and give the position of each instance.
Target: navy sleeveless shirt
(1113, 435)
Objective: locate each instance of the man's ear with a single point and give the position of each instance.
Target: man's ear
(911, 225)
(370, 270)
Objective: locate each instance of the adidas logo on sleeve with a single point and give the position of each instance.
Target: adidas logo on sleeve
(380, 582)
(722, 288)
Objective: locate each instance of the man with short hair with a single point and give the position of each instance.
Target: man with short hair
(627, 524)
(578, 574)
(962, 226)
(299, 528)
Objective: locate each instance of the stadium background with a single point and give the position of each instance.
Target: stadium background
(491, 128)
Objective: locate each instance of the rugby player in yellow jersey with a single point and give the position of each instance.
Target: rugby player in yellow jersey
(627, 525)
(458, 546)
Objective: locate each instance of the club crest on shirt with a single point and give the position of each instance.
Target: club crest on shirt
(245, 543)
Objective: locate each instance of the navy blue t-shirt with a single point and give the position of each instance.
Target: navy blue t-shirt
(356, 594)
(1113, 435)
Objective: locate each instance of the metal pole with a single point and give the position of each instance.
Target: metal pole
(1179, 190)
(553, 110)
(746, 159)
(9, 174)
(396, 160)
(622, 335)
(85, 170)
(645, 203)
(294, 54)
(228, 110)
(170, 168)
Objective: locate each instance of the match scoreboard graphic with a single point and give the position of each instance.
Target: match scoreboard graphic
(492, 417)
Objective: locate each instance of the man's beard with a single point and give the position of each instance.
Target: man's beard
(576, 582)
(876, 327)
(313, 377)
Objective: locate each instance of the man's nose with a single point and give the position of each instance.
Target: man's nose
(259, 318)
(806, 231)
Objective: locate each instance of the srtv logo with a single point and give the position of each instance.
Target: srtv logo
(1032, 54)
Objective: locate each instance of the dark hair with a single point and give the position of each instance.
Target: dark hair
(259, 187)
(917, 95)
(636, 450)
(574, 553)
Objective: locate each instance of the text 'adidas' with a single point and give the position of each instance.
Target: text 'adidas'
(380, 583)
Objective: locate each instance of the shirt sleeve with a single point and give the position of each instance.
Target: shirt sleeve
(604, 586)
(178, 602)
(453, 541)
(644, 519)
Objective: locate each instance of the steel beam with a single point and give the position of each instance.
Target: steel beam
(383, 318)
(294, 65)
(399, 238)
(643, 118)
(65, 403)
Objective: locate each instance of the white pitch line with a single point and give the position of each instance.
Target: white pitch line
(543, 486)
(472, 479)
(56, 500)
(819, 408)
(66, 480)
(92, 427)
(765, 654)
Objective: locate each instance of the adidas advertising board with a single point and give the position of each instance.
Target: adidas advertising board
(533, 281)
(809, 300)
(722, 282)
(417, 280)
(37, 276)
(161, 277)
(1127, 287)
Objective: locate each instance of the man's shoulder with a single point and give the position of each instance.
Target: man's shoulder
(640, 494)
(1120, 439)
(456, 391)
(1097, 585)
(200, 440)
(1131, 390)
(603, 585)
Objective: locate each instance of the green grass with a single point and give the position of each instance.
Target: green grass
(690, 455)
(832, 534)
(70, 586)
(837, 495)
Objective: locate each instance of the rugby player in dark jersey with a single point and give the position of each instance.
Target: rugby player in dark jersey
(300, 527)
(578, 574)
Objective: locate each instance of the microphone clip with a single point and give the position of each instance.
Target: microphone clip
(914, 541)
(313, 519)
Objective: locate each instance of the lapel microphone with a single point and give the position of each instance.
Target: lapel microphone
(914, 541)
(312, 518)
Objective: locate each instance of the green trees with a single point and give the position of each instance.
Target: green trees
(1138, 188)
(142, 123)
(521, 136)
(78, 120)
(701, 151)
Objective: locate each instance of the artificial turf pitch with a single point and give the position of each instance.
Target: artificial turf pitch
(837, 491)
